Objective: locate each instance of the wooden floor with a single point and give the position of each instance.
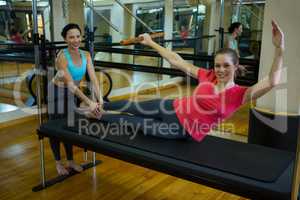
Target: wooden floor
(113, 179)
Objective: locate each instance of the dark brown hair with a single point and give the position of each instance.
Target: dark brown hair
(69, 27)
(234, 26)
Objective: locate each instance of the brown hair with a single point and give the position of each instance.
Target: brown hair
(233, 26)
(69, 27)
(232, 53)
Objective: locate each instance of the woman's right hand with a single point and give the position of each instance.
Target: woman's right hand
(145, 39)
(95, 108)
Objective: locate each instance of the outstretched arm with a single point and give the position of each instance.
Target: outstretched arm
(93, 77)
(273, 79)
(172, 57)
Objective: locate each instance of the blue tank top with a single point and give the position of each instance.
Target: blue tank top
(77, 72)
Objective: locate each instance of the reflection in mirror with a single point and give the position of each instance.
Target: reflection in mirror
(251, 15)
(16, 21)
(16, 55)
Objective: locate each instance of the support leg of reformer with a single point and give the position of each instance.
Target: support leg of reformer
(42, 161)
(42, 165)
(94, 162)
(85, 155)
(94, 159)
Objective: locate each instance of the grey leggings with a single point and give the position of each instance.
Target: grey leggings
(155, 117)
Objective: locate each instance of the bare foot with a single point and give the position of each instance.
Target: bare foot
(71, 164)
(61, 170)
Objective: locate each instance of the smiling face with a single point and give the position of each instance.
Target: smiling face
(73, 38)
(239, 30)
(224, 68)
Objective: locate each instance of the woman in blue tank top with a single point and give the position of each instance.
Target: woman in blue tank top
(72, 65)
(235, 30)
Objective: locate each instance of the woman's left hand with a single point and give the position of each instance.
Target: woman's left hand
(277, 36)
(145, 39)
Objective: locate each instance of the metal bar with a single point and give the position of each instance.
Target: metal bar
(150, 53)
(103, 17)
(42, 162)
(208, 58)
(51, 21)
(85, 155)
(38, 89)
(109, 23)
(8, 21)
(222, 8)
(16, 58)
(243, 61)
(37, 58)
(185, 56)
(221, 29)
(238, 8)
(295, 181)
(253, 13)
(9, 44)
(196, 29)
(91, 45)
(139, 68)
(94, 158)
(195, 38)
(59, 42)
(134, 16)
(91, 32)
(255, 5)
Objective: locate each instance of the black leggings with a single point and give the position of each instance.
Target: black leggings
(61, 104)
(155, 117)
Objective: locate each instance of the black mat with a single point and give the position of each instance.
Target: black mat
(247, 160)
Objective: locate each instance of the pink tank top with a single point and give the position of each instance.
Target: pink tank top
(205, 109)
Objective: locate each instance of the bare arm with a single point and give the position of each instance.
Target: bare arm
(229, 43)
(93, 77)
(273, 79)
(172, 57)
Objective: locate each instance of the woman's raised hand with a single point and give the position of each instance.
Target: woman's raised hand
(145, 39)
(277, 36)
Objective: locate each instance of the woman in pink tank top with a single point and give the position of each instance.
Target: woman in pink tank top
(214, 99)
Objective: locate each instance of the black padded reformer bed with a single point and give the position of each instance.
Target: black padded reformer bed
(246, 169)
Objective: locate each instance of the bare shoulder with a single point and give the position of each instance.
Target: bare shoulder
(86, 53)
(61, 60)
(60, 55)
